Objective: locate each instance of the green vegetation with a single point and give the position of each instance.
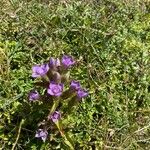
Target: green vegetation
(111, 40)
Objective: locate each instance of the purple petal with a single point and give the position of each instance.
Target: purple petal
(41, 134)
(54, 62)
(58, 94)
(34, 95)
(37, 135)
(57, 62)
(39, 70)
(67, 61)
(55, 89)
(75, 85)
(34, 71)
(81, 93)
(49, 91)
(44, 138)
(55, 116)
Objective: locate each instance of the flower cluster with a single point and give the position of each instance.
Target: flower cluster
(54, 77)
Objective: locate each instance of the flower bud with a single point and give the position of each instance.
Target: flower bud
(56, 77)
(41, 134)
(54, 63)
(55, 116)
(34, 95)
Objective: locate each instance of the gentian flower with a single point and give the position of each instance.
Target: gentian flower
(55, 89)
(55, 116)
(75, 85)
(39, 70)
(41, 134)
(54, 62)
(34, 95)
(67, 61)
(81, 93)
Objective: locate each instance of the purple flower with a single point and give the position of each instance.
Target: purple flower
(55, 89)
(39, 70)
(34, 95)
(55, 116)
(67, 61)
(41, 134)
(75, 85)
(54, 62)
(81, 93)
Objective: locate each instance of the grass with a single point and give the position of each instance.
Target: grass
(110, 38)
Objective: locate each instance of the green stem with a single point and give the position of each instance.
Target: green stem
(55, 104)
(67, 139)
(18, 135)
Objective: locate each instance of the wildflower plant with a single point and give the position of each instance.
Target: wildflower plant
(54, 78)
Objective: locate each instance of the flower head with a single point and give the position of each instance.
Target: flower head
(41, 134)
(54, 62)
(81, 93)
(55, 116)
(34, 95)
(39, 70)
(75, 85)
(67, 61)
(55, 89)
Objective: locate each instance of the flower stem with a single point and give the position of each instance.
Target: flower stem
(18, 135)
(66, 137)
(53, 108)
